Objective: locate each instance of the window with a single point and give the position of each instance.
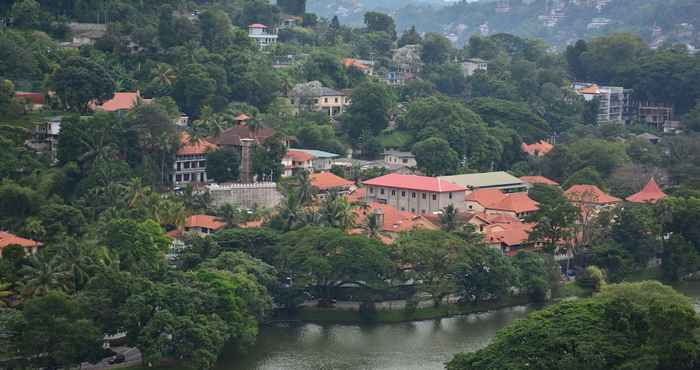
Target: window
(403, 209)
(403, 194)
(187, 177)
(393, 192)
(424, 195)
(381, 191)
(371, 190)
(404, 160)
(187, 164)
(450, 195)
(202, 164)
(413, 210)
(178, 178)
(325, 100)
(194, 164)
(422, 211)
(413, 195)
(434, 197)
(336, 100)
(179, 166)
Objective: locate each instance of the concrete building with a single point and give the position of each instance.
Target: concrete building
(308, 160)
(398, 158)
(611, 99)
(488, 180)
(263, 35)
(470, 66)
(314, 97)
(415, 194)
(191, 162)
(256, 195)
(45, 138)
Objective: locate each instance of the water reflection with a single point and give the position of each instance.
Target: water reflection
(423, 345)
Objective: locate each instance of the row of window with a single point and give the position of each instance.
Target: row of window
(403, 194)
(189, 177)
(188, 165)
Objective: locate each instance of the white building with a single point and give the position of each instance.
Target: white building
(415, 194)
(470, 66)
(263, 35)
(610, 98)
(191, 162)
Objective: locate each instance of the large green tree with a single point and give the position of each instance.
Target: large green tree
(80, 81)
(372, 104)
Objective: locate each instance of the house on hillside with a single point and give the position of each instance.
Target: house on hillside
(470, 66)
(495, 202)
(45, 138)
(314, 97)
(7, 239)
(392, 221)
(415, 194)
(307, 160)
(120, 103)
(263, 35)
(36, 99)
(327, 182)
(365, 66)
(539, 149)
(190, 164)
(398, 158)
(611, 100)
(488, 180)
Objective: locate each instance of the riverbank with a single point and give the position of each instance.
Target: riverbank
(387, 316)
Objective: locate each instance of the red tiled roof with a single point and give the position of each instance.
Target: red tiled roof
(357, 196)
(120, 101)
(233, 135)
(257, 25)
(539, 149)
(591, 90)
(394, 220)
(350, 62)
(590, 194)
(204, 221)
(412, 182)
(539, 180)
(35, 98)
(496, 200)
(200, 147)
(7, 239)
(328, 180)
(511, 234)
(651, 193)
(299, 156)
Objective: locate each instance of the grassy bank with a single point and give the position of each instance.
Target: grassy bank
(320, 315)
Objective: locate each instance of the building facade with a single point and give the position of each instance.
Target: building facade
(314, 97)
(263, 35)
(404, 159)
(415, 194)
(470, 66)
(190, 164)
(611, 100)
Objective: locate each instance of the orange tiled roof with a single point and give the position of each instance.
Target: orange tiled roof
(394, 220)
(299, 156)
(120, 101)
(539, 149)
(590, 90)
(413, 182)
(496, 200)
(204, 221)
(357, 196)
(539, 180)
(512, 234)
(350, 62)
(590, 194)
(35, 98)
(328, 180)
(7, 239)
(651, 193)
(200, 147)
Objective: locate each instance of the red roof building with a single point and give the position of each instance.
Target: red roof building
(651, 193)
(532, 180)
(7, 239)
(590, 194)
(233, 135)
(325, 181)
(413, 182)
(120, 101)
(36, 98)
(204, 224)
(494, 201)
(539, 149)
(415, 194)
(201, 147)
(393, 221)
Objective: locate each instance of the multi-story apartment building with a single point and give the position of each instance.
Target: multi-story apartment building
(190, 161)
(263, 35)
(415, 194)
(611, 100)
(314, 97)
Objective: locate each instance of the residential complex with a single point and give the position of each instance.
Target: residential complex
(416, 194)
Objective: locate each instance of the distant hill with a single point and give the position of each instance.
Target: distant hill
(352, 11)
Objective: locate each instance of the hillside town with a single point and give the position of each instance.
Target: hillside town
(186, 180)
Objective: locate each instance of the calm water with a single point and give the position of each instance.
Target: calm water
(421, 345)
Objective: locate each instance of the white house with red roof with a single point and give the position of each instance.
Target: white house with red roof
(415, 194)
(120, 102)
(263, 35)
(494, 201)
(190, 161)
(392, 221)
(8, 239)
(326, 182)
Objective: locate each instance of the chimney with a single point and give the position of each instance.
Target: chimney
(246, 161)
(380, 216)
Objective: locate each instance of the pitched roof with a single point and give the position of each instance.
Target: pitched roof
(651, 193)
(257, 25)
(497, 200)
(399, 154)
(498, 179)
(299, 156)
(233, 135)
(532, 180)
(350, 62)
(590, 90)
(328, 180)
(36, 98)
(357, 196)
(317, 153)
(413, 182)
(511, 234)
(7, 239)
(200, 147)
(120, 101)
(204, 221)
(590, 194)
(539, 149)
(394, 220)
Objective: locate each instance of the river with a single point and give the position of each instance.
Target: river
(424, 345)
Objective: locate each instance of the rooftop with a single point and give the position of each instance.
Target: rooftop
(532, 180)
(399, 154)
(328, 180)
(314, 89)
(7, 239)
(651, 193)
(394, 220)
(233, 135)
(120, 101)
(497, 200)
(539, 149)
(200, 147)
(318, 154)
(502, 180)
(204, 221)
(412, 182)
(590, 194)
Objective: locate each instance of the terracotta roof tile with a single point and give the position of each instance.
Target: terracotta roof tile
(204, 221)
(328, 180)
(200, 147)
(120, 101)
(7, 239)
(590, 194)
(299, 156)
(495, 199)
(35, 98)
(539, 149)
(412, 182)
(512, 234)
(539, 180)
(651, 193)
(394, 220)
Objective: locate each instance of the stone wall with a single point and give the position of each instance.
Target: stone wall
(256, 195)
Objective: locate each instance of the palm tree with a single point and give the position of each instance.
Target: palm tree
(449, 219)
(41, 275)
(165, 75)
(73, 258)
(305, 190)
(230, 214)
(337, 212)
(373, 226)
(291, 211)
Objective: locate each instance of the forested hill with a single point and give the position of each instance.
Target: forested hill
(560, 21)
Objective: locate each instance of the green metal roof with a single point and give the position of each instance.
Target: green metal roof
(317, 153)
(486, 180)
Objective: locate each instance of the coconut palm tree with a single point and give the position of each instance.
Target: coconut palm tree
(74, 259)
(304, 189)
(164, 74)
(373, 226)
(337, 212)
(449, 219)
(41, 275)
(291, 211)
(230, 214)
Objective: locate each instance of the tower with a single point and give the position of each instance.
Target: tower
(247, 160)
